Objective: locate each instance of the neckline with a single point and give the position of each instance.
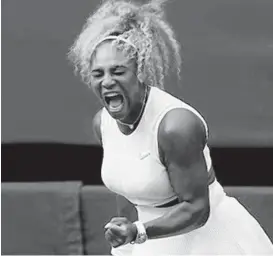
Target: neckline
(141, 119)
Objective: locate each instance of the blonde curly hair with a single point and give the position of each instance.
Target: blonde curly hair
(144, 26)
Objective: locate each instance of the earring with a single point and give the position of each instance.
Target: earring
(141, 77)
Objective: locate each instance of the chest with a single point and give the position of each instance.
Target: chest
(132, 168)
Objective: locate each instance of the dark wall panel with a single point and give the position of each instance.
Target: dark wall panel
(67, 162)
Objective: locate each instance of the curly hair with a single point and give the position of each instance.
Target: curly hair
(144, 26)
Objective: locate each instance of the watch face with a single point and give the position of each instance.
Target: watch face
(141, 233)
(141, 238)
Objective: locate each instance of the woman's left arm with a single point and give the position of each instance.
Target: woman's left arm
(181, 140)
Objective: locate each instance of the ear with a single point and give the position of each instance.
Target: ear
(141, 77)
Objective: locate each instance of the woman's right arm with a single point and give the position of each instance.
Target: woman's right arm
(124, 207)
(96, 127)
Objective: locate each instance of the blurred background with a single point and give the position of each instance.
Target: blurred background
(227, 74)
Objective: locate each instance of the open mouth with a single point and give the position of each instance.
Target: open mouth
(114, 101)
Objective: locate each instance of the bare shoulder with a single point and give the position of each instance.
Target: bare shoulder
(183, 131)
(96, 125)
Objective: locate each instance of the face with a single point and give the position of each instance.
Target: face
(114, 81)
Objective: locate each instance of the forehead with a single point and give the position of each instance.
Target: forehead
(107, 55)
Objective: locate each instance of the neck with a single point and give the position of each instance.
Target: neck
(135, 117)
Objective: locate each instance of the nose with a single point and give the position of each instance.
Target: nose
(107, 81)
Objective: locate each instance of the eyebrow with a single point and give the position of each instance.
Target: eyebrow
(99, 69)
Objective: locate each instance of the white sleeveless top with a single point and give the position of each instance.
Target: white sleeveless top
(131, 165)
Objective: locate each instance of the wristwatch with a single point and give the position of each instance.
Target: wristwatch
(141, 233)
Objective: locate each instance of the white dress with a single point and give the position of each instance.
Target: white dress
(131, 168)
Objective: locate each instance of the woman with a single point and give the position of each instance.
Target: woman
(155, 145)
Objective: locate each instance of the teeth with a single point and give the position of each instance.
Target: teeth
(112, 94)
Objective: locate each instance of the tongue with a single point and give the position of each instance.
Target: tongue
(115, 101)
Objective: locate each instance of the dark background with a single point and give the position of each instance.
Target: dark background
(227, 49)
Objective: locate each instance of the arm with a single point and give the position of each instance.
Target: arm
(96, 127)
(181, 139)
(126, 209)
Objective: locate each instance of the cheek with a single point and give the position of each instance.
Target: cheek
(131, 82)
(96, 89)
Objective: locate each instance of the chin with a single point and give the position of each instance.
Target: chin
(116, 115)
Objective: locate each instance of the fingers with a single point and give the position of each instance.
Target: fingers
(114, 239)
(115, 224)
(115, 229)
(109, 225)
(119, 220)
(116, 232)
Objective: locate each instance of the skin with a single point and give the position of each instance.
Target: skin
(112, 71)
(181, 140)
(124, 225)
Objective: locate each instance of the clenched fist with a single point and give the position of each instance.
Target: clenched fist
(120, 231)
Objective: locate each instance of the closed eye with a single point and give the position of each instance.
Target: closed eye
(97, 74)
(118, 70)
(119, 73)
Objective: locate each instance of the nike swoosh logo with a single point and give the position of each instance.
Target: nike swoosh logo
(144, 155)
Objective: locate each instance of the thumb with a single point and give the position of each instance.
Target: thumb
(111, 226)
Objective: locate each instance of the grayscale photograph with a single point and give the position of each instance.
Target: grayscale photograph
(137, 127)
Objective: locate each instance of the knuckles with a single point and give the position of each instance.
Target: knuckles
(119, 219)
(120, 233)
